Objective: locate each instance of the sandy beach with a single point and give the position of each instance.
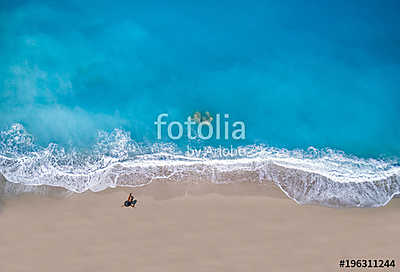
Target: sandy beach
(242, 227)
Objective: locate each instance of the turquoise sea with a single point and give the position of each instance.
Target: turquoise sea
(315, 84)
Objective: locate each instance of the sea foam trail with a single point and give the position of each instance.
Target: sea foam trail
(322, 177)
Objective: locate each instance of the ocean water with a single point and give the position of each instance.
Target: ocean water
(316, 85)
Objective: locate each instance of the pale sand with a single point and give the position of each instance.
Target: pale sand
(245, 227)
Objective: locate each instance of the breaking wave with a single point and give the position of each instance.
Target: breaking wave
(312, 176)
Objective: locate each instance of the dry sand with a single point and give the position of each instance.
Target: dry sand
(244, 227)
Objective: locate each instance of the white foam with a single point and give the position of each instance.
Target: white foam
(312, 176)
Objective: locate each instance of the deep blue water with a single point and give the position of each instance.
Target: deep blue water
(299, 74)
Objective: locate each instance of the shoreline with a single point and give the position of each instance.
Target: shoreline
(299, 185)
(200, 227)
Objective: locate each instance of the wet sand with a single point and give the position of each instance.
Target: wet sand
(242, 227)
